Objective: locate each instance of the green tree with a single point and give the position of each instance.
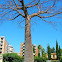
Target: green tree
(33, 48)
(43, 52)
(12, 57)
(49, 52)
(39, 50)
(59, 53)
(53, 50)
(57, 48)
(12, 9)
(61, 59)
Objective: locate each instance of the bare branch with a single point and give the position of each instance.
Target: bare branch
(20, 13)
(15, 3)
(7, 13)
(20, 23)
(13, 8)
(49, 16)
(36, 14)
(30, 3)
(51, 6)
(48, 10)
(44, 19)
(15, 17)
(41, 12)
(34, 4)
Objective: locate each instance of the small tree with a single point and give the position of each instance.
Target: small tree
(33, 49)
(49, 52)
(12, 57)
(57, 48)
(59, 53)
(53, 50)
(43, 51)
(39, 50)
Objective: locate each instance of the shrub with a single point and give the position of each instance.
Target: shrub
(12, 57)
(60, 58)
(40, 59)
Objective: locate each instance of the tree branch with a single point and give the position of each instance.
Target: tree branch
(15, 17)
(7, 12)
(20, 13)
(33, 5)
(41, 12)
(15, 3)
(13, 10)
(36, 14)
(50, 6)
(49, 16)
(30, 3)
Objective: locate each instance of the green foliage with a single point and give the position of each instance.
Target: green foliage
(38, 54)
(59, 53)
(40, 59)
(43, 51)
(49, 52)
(60, 58)
(53, 50)
(33, 49)
(44, 55)
(12, 57)
(54, 60)
(39, 48)
(57, 48)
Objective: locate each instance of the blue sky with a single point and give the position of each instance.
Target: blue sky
(42, 33)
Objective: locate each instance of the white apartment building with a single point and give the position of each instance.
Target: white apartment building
(4, 46)
(10, 49)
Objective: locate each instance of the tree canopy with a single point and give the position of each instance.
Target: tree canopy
(12, 9)
(12, 57)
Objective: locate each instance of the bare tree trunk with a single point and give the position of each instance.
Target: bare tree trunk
(28, 54)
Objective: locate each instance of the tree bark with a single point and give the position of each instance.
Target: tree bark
(28, 52)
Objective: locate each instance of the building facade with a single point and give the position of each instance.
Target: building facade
(53, 56)
(10, 49)
(22, 48)
(4, 46)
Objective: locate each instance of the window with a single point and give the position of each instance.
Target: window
(23, 49)
(10, 51)
(23, 52)
(1, 38)
(1, 45)
(23, 55)
(0, 48)
(1, 41)
(0, 52)
(53, 56)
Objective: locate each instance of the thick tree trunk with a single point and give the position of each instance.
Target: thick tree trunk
(28, 53)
